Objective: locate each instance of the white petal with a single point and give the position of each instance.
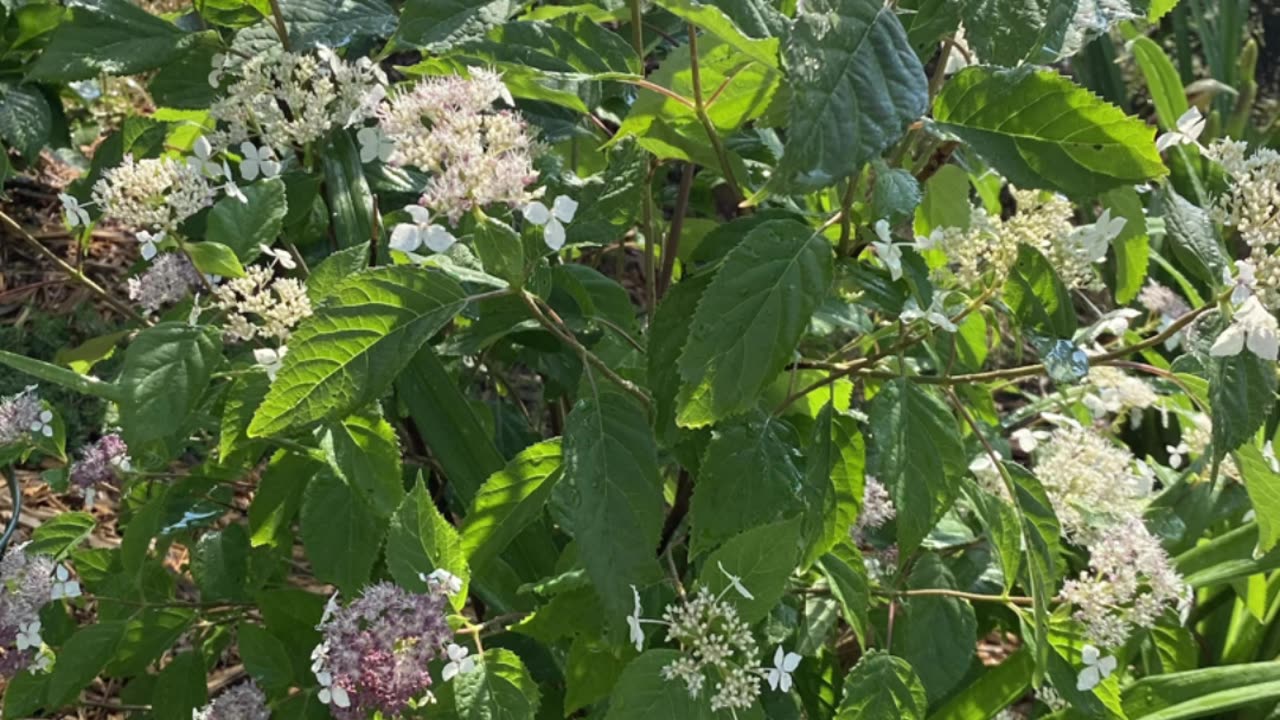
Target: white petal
(1191, 124)
(249, 151)
(405, 237)
(791, 662)
(1089, 654)
(62, 574)
(72, 589)
(340, 697)
(536, 213)
(785, 685)
(148, 251)
(266, 356)
(1088, 679)
(1230, 342)
(202, 148)
(46, 431)
(449, 671)
(437, 238)
(270, 168)
(775, 678)
(1262, 342)
(248, 169)
(1107, 665)
(882, 230)
(564, 208)
(553, 234)
(420, 215)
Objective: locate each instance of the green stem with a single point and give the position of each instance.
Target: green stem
(700, 107)
(565, 336)
(15, 492)
(280, 27)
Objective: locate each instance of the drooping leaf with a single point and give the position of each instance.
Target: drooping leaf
(1040, 130)
(509, 500)
(762, 559)
(60, 534)
(349, 352)
(938, 633)
(181, 688)
(882, 687)
(265, 657)
(340, 533)
(1242, 391)
(220, 564)
(112, 37)
(167, 369)
(243, 226)
(750, 318)
(1037, 296)
(835, 462)
(920, 456)
(363, 450)
(500, 688)
(420, 541)
(1193, 238)
(81, 658)
(611, 465)
(847, 575)
(856, 85)
(749, 476)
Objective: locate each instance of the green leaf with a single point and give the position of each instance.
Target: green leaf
(994, 690)
(611, 465)
(1162, 81)
(1005, 32)
(1202, 693)
(180, 688)
(112, 37)
(349, 352)
(501, 250)
(882, 687)
(333, 270)
(591, 670)
(847, 576)
(643, 694)
(716, 21)
(856, 84)
(1193, 237)
(1004, 531)
(24, 694)
(921, 456)
(265, 657)
(61, 376)
(668, 333)
(242, 401)
(420, 540)
(340, 533)
(212, 258)
(347, 192)
(1263, 486)
(364, 451)
(762, 558)
(1041, 533)
(243, 226)
(835, 467)
(166, 372)
(148, 636)
(220, 564)
(437, 25)
(750, 318)
(1040, 130)
(1132, 247)
(1242, 391)
(448, 425)
(81, 658)
(60, 534)
(1160, 8)
(25, 118)
(278, 498)
(937, 634)
(749, 476)
(498, 689)
(509, 500)
(333, 23)
(1037, 297)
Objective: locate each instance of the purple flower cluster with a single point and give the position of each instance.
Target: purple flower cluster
(242, 702)
(100, 462)
(19, 415)
(376, 650)
(25, 585)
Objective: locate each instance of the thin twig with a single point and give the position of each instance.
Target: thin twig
(672, 247)
(700, 108)
(281, 29)
(75, 274)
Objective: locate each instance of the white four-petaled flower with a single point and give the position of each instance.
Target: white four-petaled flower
(203, 161)
(460, 662)
(284, 257)
(1254, 327)
(374, 145)
(553, 220)
(1093, 240)
(889, 254)
(736, 583)
(784, 663)
(633, 622)
(1189, 127)
(63, 585)
(258, 161)
(1096, 668)
(77, 216)
(29, 635)
(150, 243)
(408, 237)
(270, 359)
(442, 581)
(934, 313)
(330, 693)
